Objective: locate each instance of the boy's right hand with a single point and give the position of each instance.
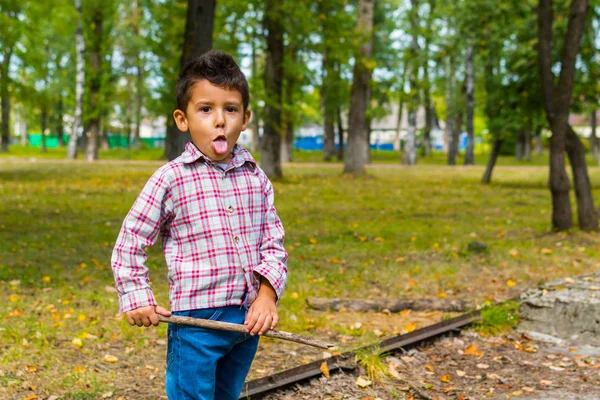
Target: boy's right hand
(146, 316)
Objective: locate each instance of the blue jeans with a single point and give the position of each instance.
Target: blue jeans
(208, 364)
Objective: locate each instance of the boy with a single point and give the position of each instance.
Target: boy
(222, 238)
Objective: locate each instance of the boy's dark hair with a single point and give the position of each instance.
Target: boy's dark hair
(217, 67)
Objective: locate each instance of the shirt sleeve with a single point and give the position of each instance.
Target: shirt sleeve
(140, 229)
(273, 257)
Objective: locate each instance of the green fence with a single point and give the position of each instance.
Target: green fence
(114, 141)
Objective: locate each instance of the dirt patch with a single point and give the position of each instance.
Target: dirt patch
(470, 367)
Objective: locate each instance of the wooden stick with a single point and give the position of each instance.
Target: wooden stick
(227, 326)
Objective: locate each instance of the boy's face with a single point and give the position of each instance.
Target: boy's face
(215, 118)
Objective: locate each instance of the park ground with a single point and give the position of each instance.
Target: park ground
(397, 232)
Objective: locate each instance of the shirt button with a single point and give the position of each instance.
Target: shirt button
(230, 209)
(236, 239)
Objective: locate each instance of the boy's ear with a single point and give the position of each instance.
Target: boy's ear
(247, 116)
(180, 120)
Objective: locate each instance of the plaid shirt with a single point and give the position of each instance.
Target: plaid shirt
(219, 229)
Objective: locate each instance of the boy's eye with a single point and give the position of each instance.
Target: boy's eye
(231, 109)
(205, 109)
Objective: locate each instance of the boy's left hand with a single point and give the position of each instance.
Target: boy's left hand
(262, 314)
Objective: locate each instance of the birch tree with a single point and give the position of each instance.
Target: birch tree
(77, 128)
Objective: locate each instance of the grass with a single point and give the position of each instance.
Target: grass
(498, 319)
(298, 156)
(395, 233)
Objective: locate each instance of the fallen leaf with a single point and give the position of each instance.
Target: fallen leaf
(546, 251)
(514, 253)
(460, 373)
(449, 389)
(32, 397)
(405, 312)
(362, 382)
(517, 393)
(510, 283)
(107, 395)
(483, 366)
(410, 327)
(30, 368)
(110, 359)
(110, 289)
(16, 313)
(527, 389)
(545, 382)
(324, 369)
(442, 295)
(429, 367)
(53, 397)
(78, 369)
(472, 350)
(445, 378)
(79, 343)
(393, 371)
(558, 369)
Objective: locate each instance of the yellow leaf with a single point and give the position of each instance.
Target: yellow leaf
(324, 369)
(442, 295)
(81, 317)
(46, 279)
(510, 283)
(78, 369)
(410, 327)
(14, 298)
(429, 367)
(472, 350)
(405, 312)
(79, 343)
(312, 240)
(32, 397)
(379, 239)
(445, 378)
(514, 253)
(110, 359)
(31, 368)
(546, 252)
(16, 313)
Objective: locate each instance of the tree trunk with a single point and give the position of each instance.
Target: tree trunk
(527, 146)
(44, 124)
(255, 145)
(556, 104)
(450, 111)
(95, 86)
(270, 154)
(197, 41)
(358, 130)
(427, 86)
(76, 129)
(398, 136)
(24, 126)
(328, 110)
(137, 144)
(340, 126)
(129, 122)
(586, 213)
(59, 127)
(594, 142)
(520, 145)
(470, 152)
(5, 100)
(487, 176)
(410, 146)
(287, 143)
(539, 147)
(104, 132)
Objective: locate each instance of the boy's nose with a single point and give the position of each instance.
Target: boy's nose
(219, 118)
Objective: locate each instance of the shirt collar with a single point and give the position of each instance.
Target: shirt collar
(239, 156)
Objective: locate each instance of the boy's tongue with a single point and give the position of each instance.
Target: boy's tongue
(219, 145)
